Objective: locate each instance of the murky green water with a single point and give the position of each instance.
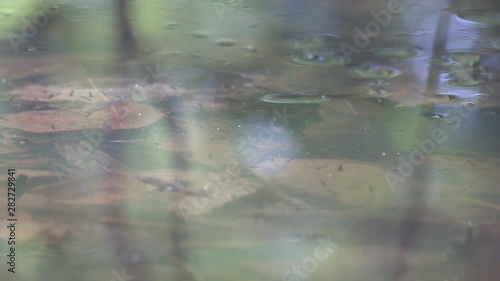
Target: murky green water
(249, 140)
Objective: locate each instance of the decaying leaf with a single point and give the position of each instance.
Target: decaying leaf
(350, 182)
(217, 192)
(79, 93)
(55, 94)
(130, 116)
(135, 116)
(45, 121)
(98, 189)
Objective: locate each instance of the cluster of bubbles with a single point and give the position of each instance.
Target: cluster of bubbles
(462, 68)
(324, 50)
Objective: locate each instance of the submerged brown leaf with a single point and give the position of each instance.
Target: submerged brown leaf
(129, 116)
(45, 121)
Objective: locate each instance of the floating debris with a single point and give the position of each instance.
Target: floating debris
(434, 116)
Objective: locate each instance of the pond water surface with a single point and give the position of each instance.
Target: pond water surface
(249, 140)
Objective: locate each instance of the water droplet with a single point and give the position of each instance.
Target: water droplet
(298, 97)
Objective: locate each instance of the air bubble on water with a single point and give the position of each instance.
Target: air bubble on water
(496, 44)
(170, 25)
(250, 48)
(226, 42)
(294, 238)
(199, 35)
(298, 97)
(135, 258)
